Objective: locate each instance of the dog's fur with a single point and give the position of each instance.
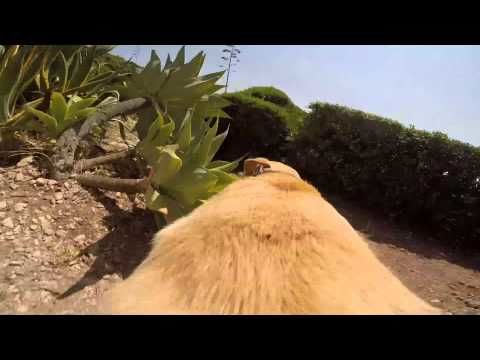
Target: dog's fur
(267, 244)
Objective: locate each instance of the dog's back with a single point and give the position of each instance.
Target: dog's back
(265, 245)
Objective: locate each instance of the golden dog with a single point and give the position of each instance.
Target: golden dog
(267, 244)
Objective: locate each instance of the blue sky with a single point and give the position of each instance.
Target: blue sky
(431, 87)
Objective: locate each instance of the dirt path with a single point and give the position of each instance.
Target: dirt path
(62, 246)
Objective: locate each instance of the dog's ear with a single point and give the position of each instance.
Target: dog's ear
(253, 167)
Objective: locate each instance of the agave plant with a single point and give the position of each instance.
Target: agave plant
(174, 89)
(184, 175)
(44, 69)
(179, 134)
(61, 114)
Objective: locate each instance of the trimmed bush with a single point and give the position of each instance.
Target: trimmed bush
(262, 120)
(415, 175)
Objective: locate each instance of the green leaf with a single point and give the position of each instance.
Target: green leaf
(49, 121)
(167, 165)
(185, 135)
(77, 106)
(83, 65)
(180, 58)
(200, 157)
(58, 107)
(216, 143)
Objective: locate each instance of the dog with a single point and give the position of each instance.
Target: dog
(268, 243)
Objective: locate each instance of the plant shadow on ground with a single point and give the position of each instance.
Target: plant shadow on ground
(122, 249)
(380, 229)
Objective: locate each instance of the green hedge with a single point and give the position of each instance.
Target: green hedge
(415, 175)
(262, 119)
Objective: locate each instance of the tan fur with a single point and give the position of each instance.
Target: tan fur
(268, 244)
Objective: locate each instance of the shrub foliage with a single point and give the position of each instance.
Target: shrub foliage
(416, 175)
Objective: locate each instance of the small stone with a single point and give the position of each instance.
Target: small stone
(27, 295)
(17, 229)
(71, 226)
(3, 205)
(61, 233)
(79, 238)
(52, 201)
(33, 226)
(58, 196)
(19, 177)
(41, 181)
(12, 289)
(19, 206)
(13, 186)
(36, 253)
(46, 226)
(43, 208)
(52, 182)
(475, 304)
(435, 301)
(25, 161)
(15, 263)
(35, 220)
(8, 223)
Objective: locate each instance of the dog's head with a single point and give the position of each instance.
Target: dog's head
(257, 166)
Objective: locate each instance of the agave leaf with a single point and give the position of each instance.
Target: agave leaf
(167, 165)
(216, 143)
(76, 106)
(223, 179)
(58, 107)
(200, 157)
(153, 200)
(168, 63)
(83, 66)
(188, 186)
(49, 121)
(184, 137)
(180, 58)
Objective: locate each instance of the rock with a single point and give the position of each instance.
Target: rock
(8, 223)
(19, 206)
(79, 238)
(58, 196)
(11, 175)
(61, 233)
(19, 177)
(52, 201)
(41, 181)
(25, 161)
(15, 263)
(2, 214)
(13, 186)
(3, 205)
(34, 227)
(36, 253)
(46, 226)
(435, 301)
(43, 208)
(475, 304)
(12, 289)
(71, 226)
(17, 229)
(52, 182)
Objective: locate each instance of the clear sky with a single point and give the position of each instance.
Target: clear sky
(431, 87)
